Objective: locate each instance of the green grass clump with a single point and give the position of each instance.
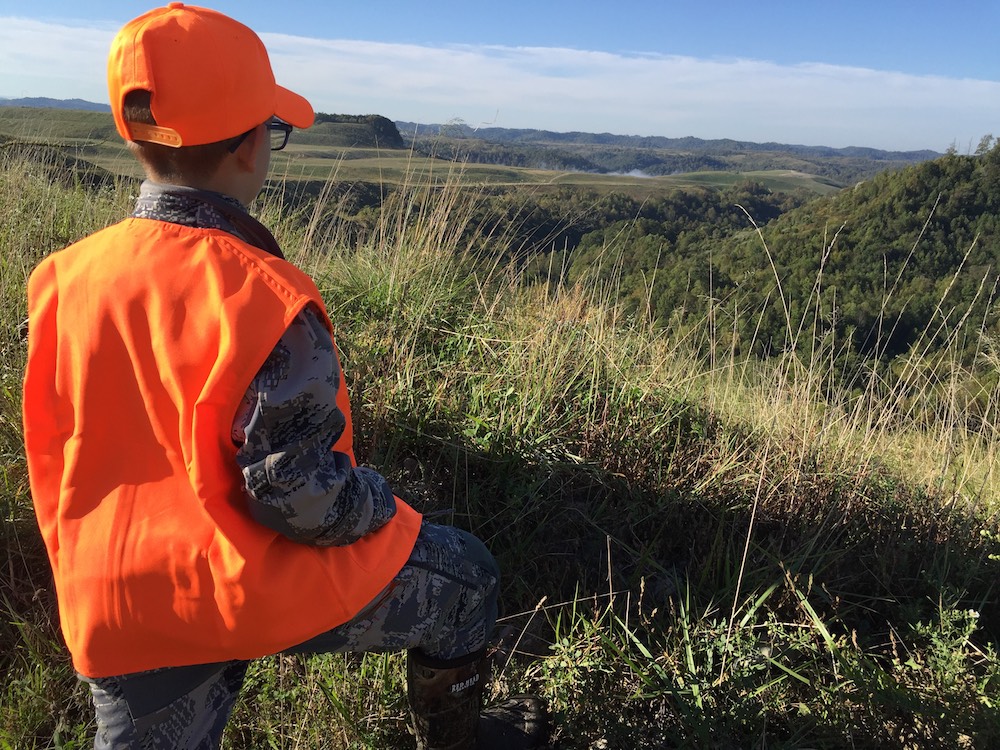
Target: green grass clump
(696, 552)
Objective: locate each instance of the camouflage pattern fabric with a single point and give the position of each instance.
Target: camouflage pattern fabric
(165, 203)
(443, 602)
(166, 709)
(286, 425)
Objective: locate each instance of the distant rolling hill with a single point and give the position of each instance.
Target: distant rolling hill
(574, 153)
(606, 153)
(689, 143)
(44, 102)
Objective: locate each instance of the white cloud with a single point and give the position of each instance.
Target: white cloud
(564, 89)
(59, 61)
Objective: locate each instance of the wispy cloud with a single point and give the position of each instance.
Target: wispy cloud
(564, 89)
(57, 60)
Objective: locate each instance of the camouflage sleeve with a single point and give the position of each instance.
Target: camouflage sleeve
(285, 427)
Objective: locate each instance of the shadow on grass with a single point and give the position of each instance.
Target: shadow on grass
(880, 600)
(865, 591)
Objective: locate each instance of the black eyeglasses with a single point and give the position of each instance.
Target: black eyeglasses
(279, 130)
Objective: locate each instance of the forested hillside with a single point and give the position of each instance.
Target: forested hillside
(908, 256)
(351, 131)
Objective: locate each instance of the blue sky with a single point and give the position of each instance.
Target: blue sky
(882, 73)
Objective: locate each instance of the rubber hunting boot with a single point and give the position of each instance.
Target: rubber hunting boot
(446, 705)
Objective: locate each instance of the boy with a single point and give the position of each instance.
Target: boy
(189, 440)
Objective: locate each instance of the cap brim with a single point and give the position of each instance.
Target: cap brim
(293, 109)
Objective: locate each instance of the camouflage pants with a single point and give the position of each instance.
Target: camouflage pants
(443, 602)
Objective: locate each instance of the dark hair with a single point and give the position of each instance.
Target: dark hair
(165, 162)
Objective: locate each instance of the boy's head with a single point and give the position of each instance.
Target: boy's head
(186, 82)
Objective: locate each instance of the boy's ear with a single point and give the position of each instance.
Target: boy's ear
(246, 155)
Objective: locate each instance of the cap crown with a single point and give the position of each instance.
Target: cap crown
(209, 77)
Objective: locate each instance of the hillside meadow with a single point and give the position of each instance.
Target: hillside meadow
(700, 548)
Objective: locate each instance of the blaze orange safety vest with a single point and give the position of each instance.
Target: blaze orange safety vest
(143, 339)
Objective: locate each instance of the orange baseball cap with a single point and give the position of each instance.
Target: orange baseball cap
(209, 77)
